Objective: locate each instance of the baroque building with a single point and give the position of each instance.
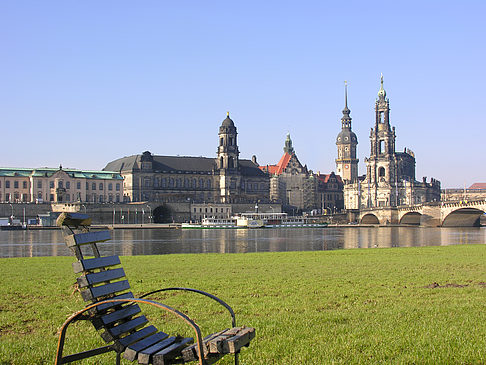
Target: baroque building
(390, 175)
(223, 179)
(25, 185)
(298, 188)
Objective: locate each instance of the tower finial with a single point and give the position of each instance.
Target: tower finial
(345, 94)
(381, 92)
(227, 114)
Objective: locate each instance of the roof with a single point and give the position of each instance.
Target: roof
(325, 177)
(47, 172)
(478, 186)
(280, 167)
(179, 164)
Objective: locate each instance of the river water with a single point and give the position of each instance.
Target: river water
(168, 241)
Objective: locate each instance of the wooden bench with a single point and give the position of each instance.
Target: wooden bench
(115, 312)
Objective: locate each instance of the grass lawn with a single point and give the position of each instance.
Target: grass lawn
(422, 305)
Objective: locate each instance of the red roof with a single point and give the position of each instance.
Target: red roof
(478, 186)
(278, 168)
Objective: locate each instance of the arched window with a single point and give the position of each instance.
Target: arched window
(231, 163)
(381, 172)
(221, 162)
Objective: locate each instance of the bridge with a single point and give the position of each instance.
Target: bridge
(441, 214)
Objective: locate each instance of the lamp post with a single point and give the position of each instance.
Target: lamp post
(150, 213)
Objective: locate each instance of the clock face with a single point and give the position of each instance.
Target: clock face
(346, 166)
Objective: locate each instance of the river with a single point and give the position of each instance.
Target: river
(168, 241)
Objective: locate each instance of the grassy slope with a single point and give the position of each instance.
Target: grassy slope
(347, 306)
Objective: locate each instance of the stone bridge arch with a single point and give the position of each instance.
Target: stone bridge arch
(369, 218)
(463, 217)
(411, 219)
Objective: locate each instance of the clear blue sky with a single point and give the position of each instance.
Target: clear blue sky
(85, 82)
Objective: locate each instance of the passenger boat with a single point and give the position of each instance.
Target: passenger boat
(208, 223)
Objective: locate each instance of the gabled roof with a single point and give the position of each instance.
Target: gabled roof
(325, 177)
(478, 186)
(279, 168)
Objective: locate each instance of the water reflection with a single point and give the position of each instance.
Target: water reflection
(163, 241)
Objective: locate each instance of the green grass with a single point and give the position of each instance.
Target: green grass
(347, 306)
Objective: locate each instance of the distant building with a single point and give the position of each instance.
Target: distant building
(476, 191)
(25, 185)
(390, 175)
(223, 179)
(293, 185)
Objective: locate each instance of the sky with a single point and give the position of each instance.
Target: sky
(86, 82)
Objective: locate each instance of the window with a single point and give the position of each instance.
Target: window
(93, 186)
(39, 195)
(87, 185)
(117, 187)
(208, 184)
(7, 197)
(67, 197)
(78, 185)
(68, 185)
(147, 182)
(16, 184)
(201, 183)
(60, 184)
(101, 198)
(164, 182)
(51, 197)
(51, 184)
(101, 186)
(117, 198)
(24, 184)
(221, 141)
(110, 198)
(186, 182)
(7, 184)
(381, 147)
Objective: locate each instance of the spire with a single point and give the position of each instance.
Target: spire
(382, 92)
(346, 119)
(288, 145)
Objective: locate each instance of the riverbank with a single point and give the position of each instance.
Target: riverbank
(397, 305)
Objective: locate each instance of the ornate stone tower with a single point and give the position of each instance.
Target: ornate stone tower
(346, 141)
(381, 163)
(288, 145)
(227, 161)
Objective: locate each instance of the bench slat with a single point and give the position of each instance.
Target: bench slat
(100, 277)
(170, 352)
(120, 314)
(73, 220)
(86, 238)
(102, 307)
(137, 336)
(102, 290)
(145, 355)
(128, 326)
(242, 338)
(95, 263)
(131, 352)
(190, 353)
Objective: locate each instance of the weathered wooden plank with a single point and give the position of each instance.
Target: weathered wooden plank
(95, 263)
(144, 356)
(86, 238)
(128, 326)
(241, 339)
(73, 219)
(171, 352)
(216, 345)
(137, 336)
(190, 352)
(106, 306)
(100, 277)
(120, 314)
(102, 290)
(131, 352)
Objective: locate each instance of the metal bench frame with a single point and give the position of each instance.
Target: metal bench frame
(72, 221)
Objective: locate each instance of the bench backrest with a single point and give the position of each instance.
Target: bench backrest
(102, 278)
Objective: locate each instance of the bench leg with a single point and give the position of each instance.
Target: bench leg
(118, 358)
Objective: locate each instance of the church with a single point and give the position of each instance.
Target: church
(390, 175)
(225, 179)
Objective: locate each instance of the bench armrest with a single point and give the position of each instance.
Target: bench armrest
(197, 291)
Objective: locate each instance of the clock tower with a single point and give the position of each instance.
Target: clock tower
(346, 142)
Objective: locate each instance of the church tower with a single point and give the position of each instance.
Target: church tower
(227, 161)
(381, 163)
(346, 142)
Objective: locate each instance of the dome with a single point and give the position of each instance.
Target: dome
(346, 136)
(227, 122)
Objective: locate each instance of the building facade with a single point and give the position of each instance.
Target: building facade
(390, 175)
(24, 185)
(223, 179)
